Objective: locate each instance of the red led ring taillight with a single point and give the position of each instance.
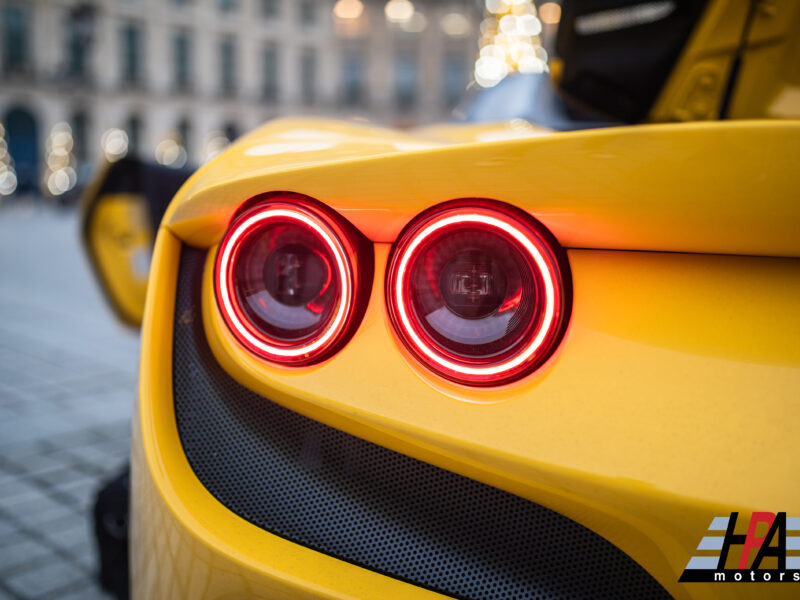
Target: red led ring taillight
(498, 246)
(253, 240)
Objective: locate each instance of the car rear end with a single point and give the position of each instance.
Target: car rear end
(649, 382)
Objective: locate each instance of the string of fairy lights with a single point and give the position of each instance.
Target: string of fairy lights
(510, 41)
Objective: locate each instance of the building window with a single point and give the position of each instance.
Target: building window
(270, 89)
(80, 136)
(405, 81)
(16, 34)
(269, 9)
(353, 79)
(131, 48)
(185, 134)
(182, 60)
(308, 12)
(453, 80)
(227, 66)
(231, 131)
(227, 5)
(80, 25)
(133, 128)
(308, 76)
(22, 136)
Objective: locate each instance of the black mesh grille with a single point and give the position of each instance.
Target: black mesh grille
(327, 490)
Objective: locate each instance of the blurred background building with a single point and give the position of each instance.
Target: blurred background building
(175, 80)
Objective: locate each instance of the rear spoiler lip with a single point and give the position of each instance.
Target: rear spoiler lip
(704, 187)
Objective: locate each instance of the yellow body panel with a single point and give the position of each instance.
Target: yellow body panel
(465, 133)
(768, 84)
(696, 187)
(185, 543)
(700, 360)
(673, 398)
(704, 349)
(697, 84)
(768, 80)
(119, 238)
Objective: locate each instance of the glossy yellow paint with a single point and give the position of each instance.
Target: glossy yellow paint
(768, 82)
(701, 350)
(119, 239)
(699, 360)
(725, 187)
(185, 543)
(465, 133)
(674, 397)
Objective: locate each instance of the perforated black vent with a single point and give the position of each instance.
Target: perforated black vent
(324, 489)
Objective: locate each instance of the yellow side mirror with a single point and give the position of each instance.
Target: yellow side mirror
(119, 238)
(121, 211)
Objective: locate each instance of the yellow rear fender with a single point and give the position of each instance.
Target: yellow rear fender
(722, 187)
(671, 399)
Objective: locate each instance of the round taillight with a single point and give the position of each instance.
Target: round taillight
(286, 279)
(479, 292)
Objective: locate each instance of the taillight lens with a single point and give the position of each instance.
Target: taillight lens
(285, 279)
(479, 292)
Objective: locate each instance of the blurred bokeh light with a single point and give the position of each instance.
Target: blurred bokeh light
(510, 41)
(176, 81)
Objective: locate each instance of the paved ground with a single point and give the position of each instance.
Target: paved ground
(67, 374)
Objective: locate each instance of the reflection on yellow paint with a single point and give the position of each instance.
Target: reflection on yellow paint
(120, 239)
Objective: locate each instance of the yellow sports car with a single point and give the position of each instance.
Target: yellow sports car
(483, 360)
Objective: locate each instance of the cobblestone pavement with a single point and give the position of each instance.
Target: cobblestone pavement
(67, 376)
